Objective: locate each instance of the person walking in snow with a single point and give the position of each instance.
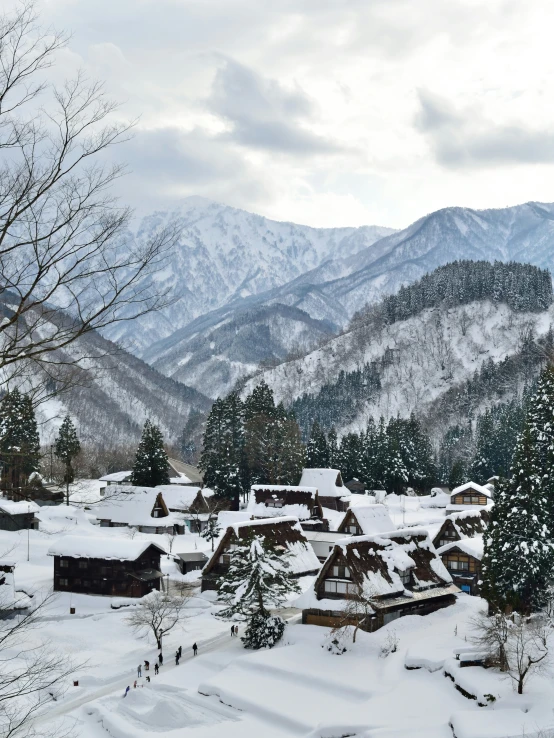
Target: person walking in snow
(156, 668)
(232, 631)
(135, 684)
(194, 649)
(128, 688)
(139, 671)
(180, 651)
(236, 630)
(176, 658)
(147, 666)
(147, 678)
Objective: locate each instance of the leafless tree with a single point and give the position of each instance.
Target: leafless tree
(527, 648)
(32, 673)
(491, 635)
(67, 265)
(158, 613)
(356, 613)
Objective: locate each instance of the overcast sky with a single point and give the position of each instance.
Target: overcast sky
(326, 112)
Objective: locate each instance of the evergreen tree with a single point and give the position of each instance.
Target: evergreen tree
(260, 401)
(333, 446)
(518, 559)
(485, 463)
(212, 531)
(151, 466)
(540, 417)
(66, 448)
(317, 451)
(223, 458)
(19, 440)
(258, 578)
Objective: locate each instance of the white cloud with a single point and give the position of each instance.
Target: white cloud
(327, 111)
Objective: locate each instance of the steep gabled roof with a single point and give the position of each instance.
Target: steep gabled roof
(181, 498)
(375, 562)
(370, 518)
(470, 546)
(466, 523)
(134, 506)
(327, 481)
(282, 531)
(472, 486)
(101, 547)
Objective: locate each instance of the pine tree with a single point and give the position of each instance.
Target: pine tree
(333, 446)
(211, 531)
(19, 440)
(317, 451)
(151, 467)
(485, 463)
(258, 578)
(518, 559)
(66, 448)
(540, 417)
(223, 459)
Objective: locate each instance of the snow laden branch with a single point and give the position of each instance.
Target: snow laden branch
(158, 613)
(258, 578)
(67, 263)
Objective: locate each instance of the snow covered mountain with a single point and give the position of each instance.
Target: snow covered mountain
(216, 350)
(224, 254)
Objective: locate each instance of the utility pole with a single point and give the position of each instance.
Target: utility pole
(51, 461)
(28, 529)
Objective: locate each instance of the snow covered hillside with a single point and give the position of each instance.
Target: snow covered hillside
(224, 253)
(419, 360)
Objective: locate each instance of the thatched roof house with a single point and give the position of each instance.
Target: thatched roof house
(328, 482)
(143, 508)
(284, 532)
(366, 520)
(463, 561)
(274, 500)
(391, 575)
(461, 525)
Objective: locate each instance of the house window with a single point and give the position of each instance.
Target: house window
(63, 582)
(405, 576)
(155, 513)
(83, 564)
(342, 572)
(64, 563)
(346, 588)
(353, 529)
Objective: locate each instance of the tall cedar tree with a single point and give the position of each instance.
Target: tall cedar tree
(258, 578)
(317, 450)
(151, 466)
(518, 559)
(223, 458)
(540, 417)
(19, 440)
(66, 448)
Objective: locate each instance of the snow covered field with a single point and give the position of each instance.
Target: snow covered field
(297, 689)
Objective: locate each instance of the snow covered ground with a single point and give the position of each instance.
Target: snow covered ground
(297, 689)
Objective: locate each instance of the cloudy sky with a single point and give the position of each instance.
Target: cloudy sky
(326, 112)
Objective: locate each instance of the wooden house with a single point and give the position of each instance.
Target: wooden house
(461, 525)
(120, 479)
(273, 500)
(366, 520)
(18, 515)
(469, 496)
(285, 533)
(376, 579)
(119, 567)
(463, 559)
(44, 495)
(143, 508)
(323, 542)
(328, 482)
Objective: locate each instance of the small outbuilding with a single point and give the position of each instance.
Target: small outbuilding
(285, 533)
(191, 561)
(119, 567)
(469, 496)
(355, 487)
(18, 515)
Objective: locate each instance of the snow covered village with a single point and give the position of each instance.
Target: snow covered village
(267, 471)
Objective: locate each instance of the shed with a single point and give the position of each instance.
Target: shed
(191, 561)
(18, 515)
(355, 487)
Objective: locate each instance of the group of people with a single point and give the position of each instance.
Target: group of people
(159, 662)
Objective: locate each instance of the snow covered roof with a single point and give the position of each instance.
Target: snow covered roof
(225, 518)
(101, 547)
(466, 523)
(178, 497)
(18, 508)
(282, 531)
(134, 507)
(270, 500)
(370, 518)
(116, 476)
(327, 481)
(376, 560)
(470, 546)
(472, 486)
(184, 473)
